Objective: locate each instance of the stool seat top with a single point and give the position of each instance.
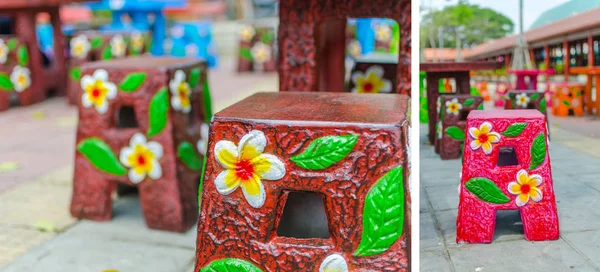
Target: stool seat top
(505, 114)
(143, 62)
(430, 67)
(311, 107)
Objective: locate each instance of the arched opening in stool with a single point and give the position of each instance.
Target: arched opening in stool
(507, 156)
(531, 106)
(303, 217)
(126, 117)
(508, 222)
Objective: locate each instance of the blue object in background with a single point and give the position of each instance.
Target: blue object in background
(194, 39)
(139, 11)
(365, 35)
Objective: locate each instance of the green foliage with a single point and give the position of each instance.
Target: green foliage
(325, 151)
(159, 110)
(230, 265)
(187, 154)
(5, 83)
(486, 190)
(477, 24)
(132, 82)
(514, 130)
(101, 156)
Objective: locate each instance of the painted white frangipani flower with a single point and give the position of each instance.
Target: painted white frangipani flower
(383, 32)
(372, 81)
(80, 46)
(3, 52)
(246, 166)
(453, 106)
(97, 90)
(261, 53)
(118, 47)
(180, 92)
(526, 187)
(354, 49)
(522, 100)
(247, 33)
(334, 263)
(20, 78)
(137, 41)
(142, 158)
(483, 137)
(202, 144)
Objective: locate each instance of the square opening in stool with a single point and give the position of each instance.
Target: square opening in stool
(507, 156)
(463, 115)
(126, 117)
(304, 217)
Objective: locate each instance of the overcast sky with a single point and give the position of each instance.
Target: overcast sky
(532, 8)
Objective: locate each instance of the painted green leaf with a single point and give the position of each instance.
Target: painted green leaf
(230, 265)
(486, 190)
(566, 103)
(194, 77)
(106, 53)
(101, 156)
(75, 73)
(201, 184)
(538, 151)
(383, 214)
(22, 56)
(206, 98)
(534, 96)
(132, 82)
(514, 130)
(187, 154)
(96, 42)
(268, 37)
(11, 44)
(325, 151)
(455, 133)
(469, 102)
(5, 83)
(543, 105)
(480, 106)
(246, 54)
(157, 114)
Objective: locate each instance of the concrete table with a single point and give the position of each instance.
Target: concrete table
(460, 71)
(531, 74)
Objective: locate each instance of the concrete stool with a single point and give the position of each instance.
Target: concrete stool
(452, 120)
(90, 45)
(568, 100)
(257, 49)
(302, 181)
(506, 166)
(18, 76)
(140, 122)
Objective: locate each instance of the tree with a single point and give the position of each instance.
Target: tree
(469, 24)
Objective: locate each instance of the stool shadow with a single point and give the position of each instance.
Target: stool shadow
(508, 223)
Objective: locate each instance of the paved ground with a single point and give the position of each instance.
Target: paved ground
(575, 162)
(36, 231)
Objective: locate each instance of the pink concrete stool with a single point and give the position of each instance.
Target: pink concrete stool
(506, 166)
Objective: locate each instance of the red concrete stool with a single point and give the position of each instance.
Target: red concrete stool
(452, 121)
(140, 121)
(280, 165)
(257, 49)
(374, 73)
(506, 166)
(87, 46)
(500, 96)
(18, 76)
(568, 100)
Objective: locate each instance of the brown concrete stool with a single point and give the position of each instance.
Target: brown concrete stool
(17, 74)
(87, 46)
(525, 99)
(307, 181)
(139, 124)
(450, 128)
(374, 73)
(257, 49)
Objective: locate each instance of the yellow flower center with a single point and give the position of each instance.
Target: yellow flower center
(141, 159)
(183, 90)
(79, 49)
(22, 79)
(96, 92)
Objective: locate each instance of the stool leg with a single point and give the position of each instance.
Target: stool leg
(91, 192)
(540, 221)
(476, 220)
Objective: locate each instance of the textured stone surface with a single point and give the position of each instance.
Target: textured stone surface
(35, 92)
(477, 219)
(448, 147)
(170, 202)
(298, 39)
(230, 228)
